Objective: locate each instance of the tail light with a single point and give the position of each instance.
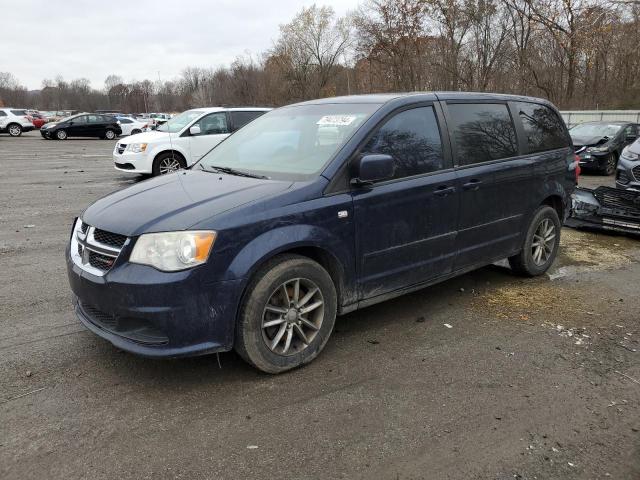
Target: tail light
(578, 169)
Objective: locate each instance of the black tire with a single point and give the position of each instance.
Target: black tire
(251, 342)
(167, 157)
(524, 262)
(61, 135)
(609, 164)
(14, 129)
(109, 134)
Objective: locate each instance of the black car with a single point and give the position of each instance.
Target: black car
(82, 125)
(318, 209)
(599, 144)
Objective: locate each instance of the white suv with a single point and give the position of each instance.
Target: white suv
(181, 141)
(14, 121)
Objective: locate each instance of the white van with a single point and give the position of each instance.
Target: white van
(181, 141)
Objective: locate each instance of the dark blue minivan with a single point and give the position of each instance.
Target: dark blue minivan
(317, 209)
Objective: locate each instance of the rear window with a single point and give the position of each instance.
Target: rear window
(542, 126)
(482, 132)
(19, 112)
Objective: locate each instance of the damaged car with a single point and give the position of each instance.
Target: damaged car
(599, 145)
(606, 208)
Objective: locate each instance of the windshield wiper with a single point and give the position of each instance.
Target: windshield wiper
(232, 171)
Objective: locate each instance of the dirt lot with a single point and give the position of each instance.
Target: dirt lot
(535, 378)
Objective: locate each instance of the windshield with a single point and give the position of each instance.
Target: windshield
(293, 143)
(178, 122)
(595, 130)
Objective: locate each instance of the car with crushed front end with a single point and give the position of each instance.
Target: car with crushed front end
(315, 210)
(599, 144)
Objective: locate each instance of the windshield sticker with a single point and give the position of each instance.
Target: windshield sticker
(336, 120)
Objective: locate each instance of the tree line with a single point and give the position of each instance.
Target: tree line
(580, 54)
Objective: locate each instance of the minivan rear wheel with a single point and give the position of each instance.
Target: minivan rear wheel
(540, 245)
(287, 315)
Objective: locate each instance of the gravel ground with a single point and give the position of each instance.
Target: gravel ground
(536, 378)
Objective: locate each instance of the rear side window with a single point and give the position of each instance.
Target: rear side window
(2, 114)
(125, 120)
(482, 132)
(542, 126)
(19, 112)
(240, 119)
(412, 138)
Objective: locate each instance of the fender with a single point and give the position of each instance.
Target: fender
(166, 147)
(291, 237)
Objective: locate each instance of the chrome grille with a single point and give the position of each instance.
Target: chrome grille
(636, 172)
(93, 249)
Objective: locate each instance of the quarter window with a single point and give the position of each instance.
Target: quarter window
(482, 132)
(240, 119)
(2, 114)
(412, 138)
(543, 128)
(19, 112)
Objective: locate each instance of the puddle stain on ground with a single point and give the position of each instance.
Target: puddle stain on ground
(580, 253)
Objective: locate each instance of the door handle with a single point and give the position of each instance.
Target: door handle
(472, 185)
(444, 190)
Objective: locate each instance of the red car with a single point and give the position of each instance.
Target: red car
(37, 119)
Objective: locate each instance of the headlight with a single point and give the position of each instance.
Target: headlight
(597, 149)
(627, 155)
(172, 251)
(136, 147)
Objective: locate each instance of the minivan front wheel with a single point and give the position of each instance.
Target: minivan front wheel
(168, 162)
(540, 245)
(287, 315)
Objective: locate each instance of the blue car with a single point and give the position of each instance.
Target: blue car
(315, 210)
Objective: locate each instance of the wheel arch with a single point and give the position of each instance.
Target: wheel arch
(555, 201)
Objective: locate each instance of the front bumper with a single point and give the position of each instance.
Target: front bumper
(628, 174)
(130, 162)
(592, 160)
(606, 208)
(156, 314)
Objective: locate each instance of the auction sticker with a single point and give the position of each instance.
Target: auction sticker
(336, 120)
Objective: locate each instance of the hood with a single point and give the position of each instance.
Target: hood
(176, 201)
(589, 141)
(150, 137)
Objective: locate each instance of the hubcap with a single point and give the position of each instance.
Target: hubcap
(292, 316)
(544, 241)
(62, 134)
(169, 165)
(110, 135)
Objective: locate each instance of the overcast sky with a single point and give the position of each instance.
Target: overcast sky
(136, 40)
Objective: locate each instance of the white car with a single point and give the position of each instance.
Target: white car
(131, 126)
(14, 121)
(182, 141)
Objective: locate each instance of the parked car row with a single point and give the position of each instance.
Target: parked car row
(311, 211)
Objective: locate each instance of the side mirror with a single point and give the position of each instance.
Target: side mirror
(374, 168)
(194, 130)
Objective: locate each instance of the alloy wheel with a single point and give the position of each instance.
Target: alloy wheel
(14, 130)
(544, 240)
(169, 165)
(110, 134)
(611, 164)
(61, 135)
(292, 316)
